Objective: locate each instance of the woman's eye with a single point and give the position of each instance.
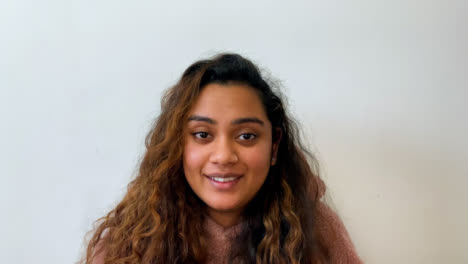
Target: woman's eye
(202, 135)
(247, 136)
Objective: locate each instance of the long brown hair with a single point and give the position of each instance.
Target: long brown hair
(160, 221)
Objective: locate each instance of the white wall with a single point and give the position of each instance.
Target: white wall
(380, 87)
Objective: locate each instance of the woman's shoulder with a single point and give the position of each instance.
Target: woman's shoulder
(333, 234)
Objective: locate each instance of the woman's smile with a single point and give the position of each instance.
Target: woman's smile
(224, 181)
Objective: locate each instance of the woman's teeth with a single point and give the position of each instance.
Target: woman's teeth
(219, 179)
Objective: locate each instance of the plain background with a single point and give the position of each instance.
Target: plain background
(380, 88)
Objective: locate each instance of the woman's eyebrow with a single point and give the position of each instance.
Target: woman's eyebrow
(202, 119)
(238, 121)
(247, 120)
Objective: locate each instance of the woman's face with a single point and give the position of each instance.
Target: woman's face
(228, 148)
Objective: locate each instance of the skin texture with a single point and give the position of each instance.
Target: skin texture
(228, 132)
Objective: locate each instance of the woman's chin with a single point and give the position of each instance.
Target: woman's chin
(224, 208)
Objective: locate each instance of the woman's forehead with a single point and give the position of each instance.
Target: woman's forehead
(230, 101)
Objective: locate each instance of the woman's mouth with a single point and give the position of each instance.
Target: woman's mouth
(220, 179)
(223, 182)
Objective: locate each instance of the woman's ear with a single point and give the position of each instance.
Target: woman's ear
(276, 137)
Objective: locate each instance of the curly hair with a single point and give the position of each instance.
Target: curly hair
(159, 219)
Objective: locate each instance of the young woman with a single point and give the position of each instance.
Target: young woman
(224, 179)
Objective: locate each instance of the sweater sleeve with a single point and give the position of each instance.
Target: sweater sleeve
(334, 236)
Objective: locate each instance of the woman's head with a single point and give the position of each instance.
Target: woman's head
(224, 144)
(231, 135)
(204, 90)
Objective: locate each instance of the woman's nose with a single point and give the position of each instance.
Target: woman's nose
(224, 152)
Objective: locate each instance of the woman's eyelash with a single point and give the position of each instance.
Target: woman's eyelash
(250, 135)
(200, 135)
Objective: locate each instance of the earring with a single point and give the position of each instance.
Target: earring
(273, 160)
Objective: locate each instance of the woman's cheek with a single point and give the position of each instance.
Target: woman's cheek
(259, 158)
(193, 156)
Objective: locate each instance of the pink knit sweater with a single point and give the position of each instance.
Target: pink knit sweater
(330, 228)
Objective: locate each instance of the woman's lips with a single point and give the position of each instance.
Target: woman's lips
(223, 181)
